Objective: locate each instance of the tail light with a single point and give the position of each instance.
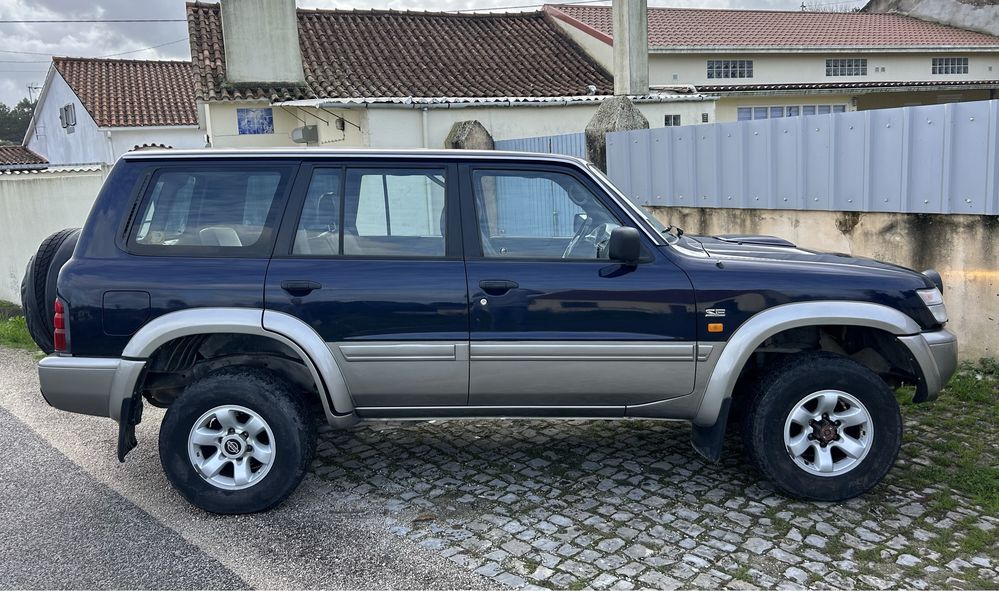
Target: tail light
(59, 323)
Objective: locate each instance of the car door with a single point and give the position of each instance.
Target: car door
(552, 320)
(370, 257)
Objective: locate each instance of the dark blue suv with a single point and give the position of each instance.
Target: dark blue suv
(252, 293)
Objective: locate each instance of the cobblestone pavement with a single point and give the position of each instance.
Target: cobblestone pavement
(628, 504)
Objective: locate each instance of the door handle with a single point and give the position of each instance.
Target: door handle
(298, 287)
(497, 287)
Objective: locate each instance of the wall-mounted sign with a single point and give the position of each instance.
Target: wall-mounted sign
(255, 121)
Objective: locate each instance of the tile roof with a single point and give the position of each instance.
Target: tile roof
(18, 156)
(132, 93)
(385, 53)
(695, 27)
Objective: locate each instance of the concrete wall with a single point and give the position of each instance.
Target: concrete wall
(966, 14)
(261, 41)
(34, 205)
(965, 249)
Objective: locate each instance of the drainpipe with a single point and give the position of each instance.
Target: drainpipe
(426, 132)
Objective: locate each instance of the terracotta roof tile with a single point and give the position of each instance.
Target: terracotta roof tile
(132, 93)
(694, 27)
(18, 155)
(382, 53)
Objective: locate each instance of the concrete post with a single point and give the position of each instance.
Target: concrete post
(615, 114)
(469, 135)
(631, 47)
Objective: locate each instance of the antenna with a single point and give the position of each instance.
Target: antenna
(31, 91)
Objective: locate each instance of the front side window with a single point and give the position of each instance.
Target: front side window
(540, 215)
(950, 65)
(730, 69)
(374, 212)
(846, 67)
(210, 211)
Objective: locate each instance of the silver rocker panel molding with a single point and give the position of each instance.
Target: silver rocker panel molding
(769, 322)
(597, 351)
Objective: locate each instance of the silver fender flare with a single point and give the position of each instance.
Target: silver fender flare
(765, 324)
(284, 328)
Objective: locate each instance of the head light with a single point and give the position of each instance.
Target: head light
(934, 303)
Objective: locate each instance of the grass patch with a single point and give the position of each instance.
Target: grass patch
(9, 310)
(956, 438)
(14, 334)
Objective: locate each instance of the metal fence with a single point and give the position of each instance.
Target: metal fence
(569, 144)
(931, 159)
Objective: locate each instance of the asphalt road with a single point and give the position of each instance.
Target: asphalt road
(71, 516)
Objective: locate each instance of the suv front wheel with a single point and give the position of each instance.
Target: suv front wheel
(237, 441)
(823, 427)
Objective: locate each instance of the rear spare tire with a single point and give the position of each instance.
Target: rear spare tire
(38, 287)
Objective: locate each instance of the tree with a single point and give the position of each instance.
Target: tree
(14, 121)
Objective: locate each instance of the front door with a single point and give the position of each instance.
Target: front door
(553, 320)
(370, 257)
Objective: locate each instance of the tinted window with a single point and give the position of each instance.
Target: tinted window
(209, 211)
(395, 212)
(540, 215)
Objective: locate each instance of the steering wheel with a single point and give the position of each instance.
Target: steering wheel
(597, 238)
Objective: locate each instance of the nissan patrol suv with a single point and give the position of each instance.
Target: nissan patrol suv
(254, 294)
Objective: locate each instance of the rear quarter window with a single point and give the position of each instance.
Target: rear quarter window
(210, 210)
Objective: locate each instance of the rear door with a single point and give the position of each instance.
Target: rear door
(553, 321)
(370, 256)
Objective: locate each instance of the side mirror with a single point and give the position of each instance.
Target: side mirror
(625, 246)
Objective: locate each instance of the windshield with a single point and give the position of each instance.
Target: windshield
(639, 210)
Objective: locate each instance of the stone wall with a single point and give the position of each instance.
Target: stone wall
(963, 248)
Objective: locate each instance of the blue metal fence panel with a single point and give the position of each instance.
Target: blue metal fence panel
(929, 159)
(569, 144)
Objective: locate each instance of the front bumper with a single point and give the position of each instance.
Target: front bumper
(936, 354)
(88, 385)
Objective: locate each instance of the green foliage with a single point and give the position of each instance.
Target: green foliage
(14, 121)
(14, 333)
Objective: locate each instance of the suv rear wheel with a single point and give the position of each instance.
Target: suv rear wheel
(823, 427)
(237, 441)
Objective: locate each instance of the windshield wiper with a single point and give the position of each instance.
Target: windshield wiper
(669, 227)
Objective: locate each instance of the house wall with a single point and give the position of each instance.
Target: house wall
(222, 128)
(400, 128)
(89, 144)
(86, 144)
(774, 68)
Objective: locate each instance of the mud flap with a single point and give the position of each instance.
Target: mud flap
(708, 441)
(131, 415)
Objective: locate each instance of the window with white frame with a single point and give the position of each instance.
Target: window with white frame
(730, 68)
(950, 65)
(846, 67)
(777, 111)
(672, 121)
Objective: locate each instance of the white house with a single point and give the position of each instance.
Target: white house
(95, 110)
(770, 63)
(386, 78)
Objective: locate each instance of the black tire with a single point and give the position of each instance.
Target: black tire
(285, 412)
(38, 287)
(788, 383)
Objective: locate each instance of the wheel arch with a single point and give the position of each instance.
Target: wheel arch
(285, 329)
(748, 337)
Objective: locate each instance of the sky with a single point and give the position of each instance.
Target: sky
(26, 48)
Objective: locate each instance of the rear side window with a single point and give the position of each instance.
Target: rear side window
(206, 211)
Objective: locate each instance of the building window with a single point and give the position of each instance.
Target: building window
(67, 117)
(777, 111)
(672, 121)
(950, 65)
(730, 68)
(846, 67)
